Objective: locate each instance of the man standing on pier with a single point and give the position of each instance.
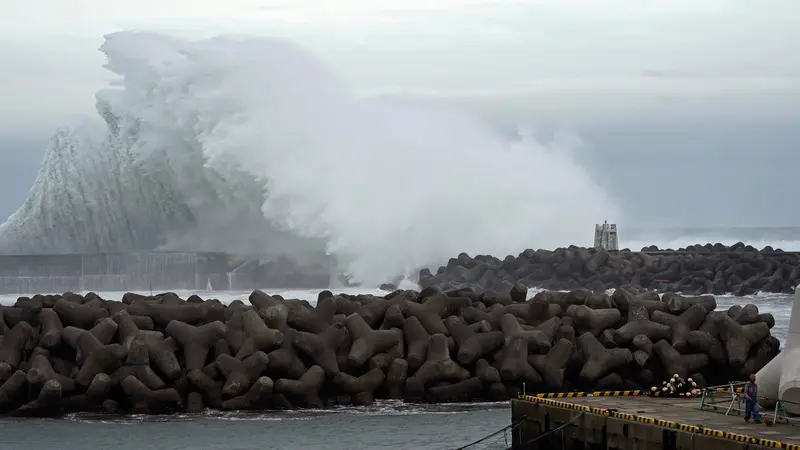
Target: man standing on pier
(751, 401)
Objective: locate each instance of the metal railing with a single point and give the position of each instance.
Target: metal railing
(731, 399)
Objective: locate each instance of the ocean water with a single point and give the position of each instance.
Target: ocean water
(386, 425)
(636, 237)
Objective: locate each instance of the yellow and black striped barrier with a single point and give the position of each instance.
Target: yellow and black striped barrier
(592, 394)
(563, 395)
(618, 393)
(653, 421)
(737, 390)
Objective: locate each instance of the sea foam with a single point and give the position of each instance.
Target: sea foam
(249, 144)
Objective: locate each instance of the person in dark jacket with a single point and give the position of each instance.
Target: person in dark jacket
(751, 401)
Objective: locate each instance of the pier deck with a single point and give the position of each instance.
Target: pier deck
(642, 422)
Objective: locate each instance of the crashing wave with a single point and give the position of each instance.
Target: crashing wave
(248, 145)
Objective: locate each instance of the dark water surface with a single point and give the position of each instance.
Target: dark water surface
(386, 426)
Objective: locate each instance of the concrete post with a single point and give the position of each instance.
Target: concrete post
(789, 389)
(605, 236)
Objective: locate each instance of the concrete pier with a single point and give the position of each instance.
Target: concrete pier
(639, 422)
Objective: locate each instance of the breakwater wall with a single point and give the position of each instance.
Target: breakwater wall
(710, 269)
(697, 270)
(68, 353)
(156, 271)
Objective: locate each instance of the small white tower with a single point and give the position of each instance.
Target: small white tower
(605, 236)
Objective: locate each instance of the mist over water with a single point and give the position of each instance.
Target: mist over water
(248, 143)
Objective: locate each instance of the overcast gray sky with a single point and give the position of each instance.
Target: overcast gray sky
(688, 110)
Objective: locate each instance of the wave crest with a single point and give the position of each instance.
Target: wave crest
(248, 144)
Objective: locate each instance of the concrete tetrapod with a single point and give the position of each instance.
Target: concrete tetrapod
(552, 366)
(361, 389)
(744, 315)
(472, 345)
(147, 401)
(486, 373)
(366, 348)
(396, 377)
(104, 330)
(593, 321)
(78, 315)
(321, 348)
(285, 361)
(259, 337)
(12, 346)
(393, 318)
(600, 361)
(368, 342)
(42, 366)
(538, 339)
(257, 397)
(514, 365)
(234, 332)
(643, 349)
(760, 355)
(374, 309)
(14, 315)
(196, 342)
(705, 342)
(312, 320)
(98, 358)
(47, 403)
(675, 363)
(677, 304)
(639, 323)
(91, 400)
(138, 365)
(162, 355)
(304, 391)
(437, 367)
(430, 313)
(417, 341)
(126, 328)
(239, 375)
(12, 389)
(739, 339)
(462, 391)
(209, 389)
(688, 321)
(163, 314)
(52, 328)
(274, 312)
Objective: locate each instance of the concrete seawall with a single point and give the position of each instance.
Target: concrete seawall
(638, 422)
(30, 274)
